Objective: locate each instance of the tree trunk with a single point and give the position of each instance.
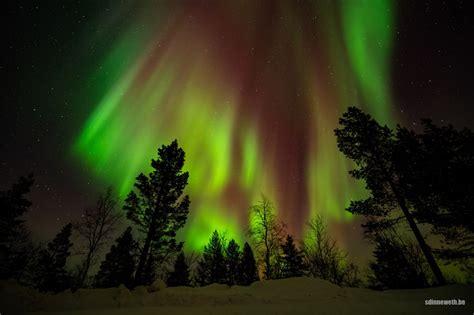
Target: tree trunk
(268, 271)
(143, 258)
(85, 271)
(440, 280)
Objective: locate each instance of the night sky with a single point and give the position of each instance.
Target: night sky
(252, 90)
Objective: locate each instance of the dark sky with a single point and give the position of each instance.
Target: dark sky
(53, 51)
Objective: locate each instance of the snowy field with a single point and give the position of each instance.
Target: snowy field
(287, 296)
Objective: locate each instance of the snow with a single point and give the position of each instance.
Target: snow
(287, 296)
(157, 285)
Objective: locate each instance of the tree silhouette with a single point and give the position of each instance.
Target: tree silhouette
(180, 275)
(292, 259)
(51, 274)
(158, 209)
(15, 241)
(232, 261)
(267, 234)
(96, 227)
(437, 167)
(397, 265)
(211, 268)
(119, 264)
(372, 148)
(324, 259)
(248, 267)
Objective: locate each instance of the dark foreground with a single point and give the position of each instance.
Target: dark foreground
(287, 296)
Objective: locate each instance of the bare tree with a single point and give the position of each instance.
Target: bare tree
(267, 233)
(399, 263)
(324, 259)
(96, 228)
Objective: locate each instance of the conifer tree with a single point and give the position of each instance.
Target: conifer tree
(372, 147)
(51, 274)
(211, 267)
(292, 259)
(158, 209)
(248, 267)
(232, 260)
(437, 167)
(15, 241)
(180, 275)
(119, 263)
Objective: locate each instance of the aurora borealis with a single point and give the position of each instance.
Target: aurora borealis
(216, 76)
(252, 91)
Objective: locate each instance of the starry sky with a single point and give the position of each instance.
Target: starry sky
(252, 91)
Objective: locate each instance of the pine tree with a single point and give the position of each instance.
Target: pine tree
(232, 260)
(211, 267)
(248, 267)
(52, 275)
(372, 148)
(292, 259)
(180, 275)
(119, 263)
(15, 241)
(158, 209)
(437, 167)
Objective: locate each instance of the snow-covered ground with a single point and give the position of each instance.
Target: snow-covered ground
(287, 296)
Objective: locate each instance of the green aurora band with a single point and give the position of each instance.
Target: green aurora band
(252, 92)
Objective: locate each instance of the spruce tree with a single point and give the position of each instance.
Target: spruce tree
(180, 275)
(211, 267)
(158, 209)
(292, 259)
(52, 275)
(248, 267)
(15, 241)
(232, 260)
(119, 263)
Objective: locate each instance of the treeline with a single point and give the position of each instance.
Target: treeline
(413, 179)
(225, 262)
(156, 209)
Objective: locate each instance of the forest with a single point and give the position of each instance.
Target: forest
(418, 217)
